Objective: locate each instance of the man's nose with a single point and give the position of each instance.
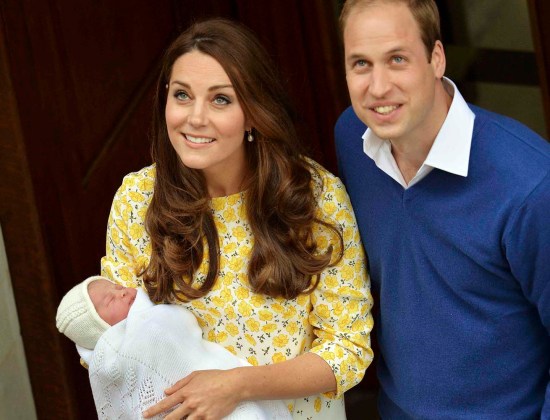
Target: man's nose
(380, 82)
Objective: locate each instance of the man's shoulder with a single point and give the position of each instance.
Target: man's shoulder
(520, 156)
(509, 133)
(348, 123)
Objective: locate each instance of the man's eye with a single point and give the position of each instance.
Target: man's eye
(360, 63)
(398, 59)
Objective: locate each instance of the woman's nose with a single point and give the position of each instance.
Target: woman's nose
(197, 116)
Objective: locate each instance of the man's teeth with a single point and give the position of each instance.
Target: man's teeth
(199, 140)
(385, 109)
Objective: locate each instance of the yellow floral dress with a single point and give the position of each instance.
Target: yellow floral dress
(333, 322)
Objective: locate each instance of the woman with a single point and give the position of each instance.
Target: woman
(235, 224)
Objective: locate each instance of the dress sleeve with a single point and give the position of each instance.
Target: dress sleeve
(341, 305)
(128, 245)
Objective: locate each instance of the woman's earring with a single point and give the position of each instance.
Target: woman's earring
(250, 136)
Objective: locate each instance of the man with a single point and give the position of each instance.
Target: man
(453, 205)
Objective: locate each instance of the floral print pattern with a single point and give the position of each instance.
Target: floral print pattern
(333, 322)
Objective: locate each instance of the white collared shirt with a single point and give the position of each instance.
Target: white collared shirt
(450, 151)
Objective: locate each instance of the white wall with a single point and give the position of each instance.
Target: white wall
(16, 402)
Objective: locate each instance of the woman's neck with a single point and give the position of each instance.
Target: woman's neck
(226, 182)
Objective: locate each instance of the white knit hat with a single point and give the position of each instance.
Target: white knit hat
(77, 317)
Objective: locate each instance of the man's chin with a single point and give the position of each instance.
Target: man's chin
(385, 132)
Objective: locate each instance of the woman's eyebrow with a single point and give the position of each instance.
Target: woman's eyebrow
(211, 88)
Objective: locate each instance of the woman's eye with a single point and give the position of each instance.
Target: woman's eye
(221, 100)
(180, 95)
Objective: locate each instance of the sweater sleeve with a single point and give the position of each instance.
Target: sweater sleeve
(127, 245)
(341, 304)
(527, 247)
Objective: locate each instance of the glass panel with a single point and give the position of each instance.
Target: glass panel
(491, 57)
(498, 24)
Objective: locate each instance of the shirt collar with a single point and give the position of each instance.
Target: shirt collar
(450, 151)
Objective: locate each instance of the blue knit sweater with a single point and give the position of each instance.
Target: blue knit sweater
(461, 268)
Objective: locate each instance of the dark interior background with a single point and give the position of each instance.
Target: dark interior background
(76, 82)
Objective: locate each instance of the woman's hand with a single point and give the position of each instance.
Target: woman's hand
(214, 394)
(204, 394)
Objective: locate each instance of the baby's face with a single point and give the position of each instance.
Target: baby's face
(112, 301)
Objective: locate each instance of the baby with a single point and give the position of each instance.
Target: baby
(135, 349)
(90, 308)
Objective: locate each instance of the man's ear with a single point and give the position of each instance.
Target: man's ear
(439, 61)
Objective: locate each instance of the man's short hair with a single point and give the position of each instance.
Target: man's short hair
(425, 12)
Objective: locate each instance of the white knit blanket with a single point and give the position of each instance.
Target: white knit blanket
(137, 359)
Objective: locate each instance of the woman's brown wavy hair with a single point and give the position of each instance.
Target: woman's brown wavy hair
(280, 198)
